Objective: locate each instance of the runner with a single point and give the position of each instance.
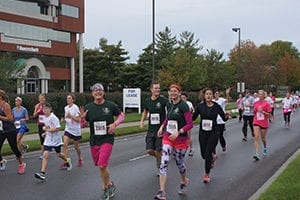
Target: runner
(154, 106)
(262, 113)
(8, 131)
(272, 105)
(72, 129)
(240, 107)
(184, 97)
(247, 103)
(208, 129)
(39, 113)
(100, 115)
(174, 131)
(20, 114)
(221, 123)
(287, 108)
(52, 140)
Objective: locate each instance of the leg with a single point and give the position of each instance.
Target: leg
(245, 125)
(165, 159)
(264, 137)
(77, 148)
(222, 139)
(66, 146)
(212, 140)
(45, 161)
(251, 125)
(257, 132)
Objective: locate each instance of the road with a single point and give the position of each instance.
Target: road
(235, 177)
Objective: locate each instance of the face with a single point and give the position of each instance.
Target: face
(98, 94)
(18, 102)
(70, 100)
(217, 95)
(174, 93)
(208, 95)
(42, 99)
(47, 111)
(183, 97)
(261, 94)
(155, 90)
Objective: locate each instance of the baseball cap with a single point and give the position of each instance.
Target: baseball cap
(97, 86)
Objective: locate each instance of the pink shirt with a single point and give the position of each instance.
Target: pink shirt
(261, 119)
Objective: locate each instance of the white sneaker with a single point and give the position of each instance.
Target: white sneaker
(69, 164)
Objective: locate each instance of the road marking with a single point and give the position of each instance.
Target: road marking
(139, 157)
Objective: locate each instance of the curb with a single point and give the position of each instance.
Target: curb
(267, 184)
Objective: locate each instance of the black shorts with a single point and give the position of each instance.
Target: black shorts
(153, 142)
(49, 148)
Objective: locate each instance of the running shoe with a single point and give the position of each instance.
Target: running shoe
(69, 164)
(105, 195)
(224, 149)
(245, 139)
(40, 176)
(80, 163)
(3, 165)
(206, 178)
(213, 161)
(191, 153)
(111, 189)
(41, 156)
(256, 156)
(21, 168)
(25, 149)
(183, 186)
(265, 151)
(63, 165)
(160, 195)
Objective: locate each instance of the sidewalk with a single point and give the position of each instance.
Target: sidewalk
(35, 136)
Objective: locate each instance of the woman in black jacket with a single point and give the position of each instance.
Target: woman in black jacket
(208, 129)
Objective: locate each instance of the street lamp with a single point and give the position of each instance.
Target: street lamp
(240, 85)
(153, 39)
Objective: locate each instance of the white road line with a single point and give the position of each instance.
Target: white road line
(139, 157)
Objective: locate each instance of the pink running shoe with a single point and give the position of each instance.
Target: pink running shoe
(80, 163)
(21, 168)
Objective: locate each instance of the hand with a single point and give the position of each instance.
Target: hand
(173, 136)
(160, 132)
(82, 112)
(111, 128)
(141, 125)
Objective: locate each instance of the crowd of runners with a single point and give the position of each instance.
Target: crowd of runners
(170, 121)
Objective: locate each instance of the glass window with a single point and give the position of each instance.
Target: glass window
(17, 30)
(69, 11)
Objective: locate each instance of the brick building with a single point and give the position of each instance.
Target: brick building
(42, 36)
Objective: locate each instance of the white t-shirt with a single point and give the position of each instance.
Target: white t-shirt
(191, 107)
(287, 103)
(222, 102)
(52, 139)
(72, 126)
(270, 101)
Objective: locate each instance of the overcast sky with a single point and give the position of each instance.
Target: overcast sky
(130, 21)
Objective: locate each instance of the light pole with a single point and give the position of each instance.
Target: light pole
(153, 39)
(241, 86)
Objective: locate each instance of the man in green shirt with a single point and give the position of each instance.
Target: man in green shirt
(155, 108)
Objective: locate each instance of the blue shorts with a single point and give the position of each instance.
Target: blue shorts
(49, 148)
(22, 130)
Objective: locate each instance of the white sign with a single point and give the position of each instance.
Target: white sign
(132, 98)
(30, 49)
(240, 87)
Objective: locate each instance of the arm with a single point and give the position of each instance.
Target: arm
(189, 123)
(119, 120)
(144, 115)
(7, 111)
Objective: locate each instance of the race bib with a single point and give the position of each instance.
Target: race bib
(17, 124)
(172, 126)
(207, 124)
(1, 126)
(100, 128)
(247, 109)
(260, 116)
(42, 119)
(154, 119)
(286, 110)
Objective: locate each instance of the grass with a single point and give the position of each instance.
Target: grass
(287, 185)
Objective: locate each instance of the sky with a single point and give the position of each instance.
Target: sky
(211, 21)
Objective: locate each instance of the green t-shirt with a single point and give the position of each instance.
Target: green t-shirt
(99, 117)
(157, 112)
(176, 113)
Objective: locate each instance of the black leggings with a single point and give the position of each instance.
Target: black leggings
(248, 120)
(208, 142)
(287, 117)
(12, 141)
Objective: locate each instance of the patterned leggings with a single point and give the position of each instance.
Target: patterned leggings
(179, 154)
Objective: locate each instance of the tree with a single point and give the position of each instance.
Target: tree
(289, 70)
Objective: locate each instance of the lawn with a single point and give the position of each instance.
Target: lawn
(287, 185)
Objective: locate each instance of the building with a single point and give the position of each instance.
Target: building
(42, 36)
